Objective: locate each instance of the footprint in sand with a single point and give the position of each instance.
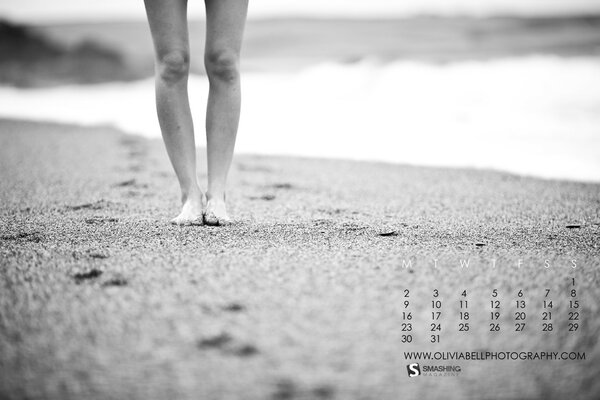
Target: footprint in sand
(286, 388)
(226, 344)
(25, 236)
(216, 341)
(138, 153)
(131, 183)
(332, 211)
(234, 307)
(245, 350)
(285, 186)
(93, 254)
(323, 392)
(100, 220)
(88, 275)
(136, 167)
(98, 255)
(351, 226)
(96, 205)
(265, 197)
(133, 187)
(116, 281)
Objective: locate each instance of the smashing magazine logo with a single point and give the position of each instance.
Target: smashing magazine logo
(415, 370)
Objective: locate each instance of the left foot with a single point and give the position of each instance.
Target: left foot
(216, 213)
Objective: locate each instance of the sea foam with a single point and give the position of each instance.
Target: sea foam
(537, 115)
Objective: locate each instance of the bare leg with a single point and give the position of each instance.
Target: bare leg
(225, 20)
(168, 25)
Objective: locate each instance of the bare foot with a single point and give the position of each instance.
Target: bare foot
(191, 212)
(216, 213)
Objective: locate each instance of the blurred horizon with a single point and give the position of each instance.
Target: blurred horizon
(86, 53)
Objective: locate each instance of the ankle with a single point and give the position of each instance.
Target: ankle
(191, 193)
(215, 196)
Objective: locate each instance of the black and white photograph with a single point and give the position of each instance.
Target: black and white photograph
(300, 200)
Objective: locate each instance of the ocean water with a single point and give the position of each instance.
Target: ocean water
(531, 115)
(42, 10)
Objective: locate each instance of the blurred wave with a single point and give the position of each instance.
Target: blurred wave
(533, 115)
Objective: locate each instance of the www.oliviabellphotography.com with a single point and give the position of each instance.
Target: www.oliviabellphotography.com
(283, 200)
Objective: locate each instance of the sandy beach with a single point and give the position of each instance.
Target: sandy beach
(301, 298)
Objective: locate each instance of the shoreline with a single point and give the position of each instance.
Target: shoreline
(279, 156)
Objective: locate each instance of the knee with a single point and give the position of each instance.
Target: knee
(173, 66)
(222, 65)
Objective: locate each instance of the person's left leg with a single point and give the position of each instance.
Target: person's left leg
(225, 20)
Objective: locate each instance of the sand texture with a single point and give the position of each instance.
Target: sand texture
(301, 298)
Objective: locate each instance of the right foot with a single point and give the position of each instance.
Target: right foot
(191, 212)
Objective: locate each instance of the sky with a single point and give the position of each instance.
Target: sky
(91, 10)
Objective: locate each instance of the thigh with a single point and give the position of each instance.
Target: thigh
(168, 25)
(225, 21)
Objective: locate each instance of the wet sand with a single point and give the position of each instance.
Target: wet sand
(301, 298)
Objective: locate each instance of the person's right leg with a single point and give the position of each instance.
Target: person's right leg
(168, 25)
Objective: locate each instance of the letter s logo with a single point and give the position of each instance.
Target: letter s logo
(413, 370)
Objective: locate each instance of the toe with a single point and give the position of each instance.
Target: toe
(197, 221)
(174, 221)
(215, 214)
(224, 221)
(187, 220)
(211, 219)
